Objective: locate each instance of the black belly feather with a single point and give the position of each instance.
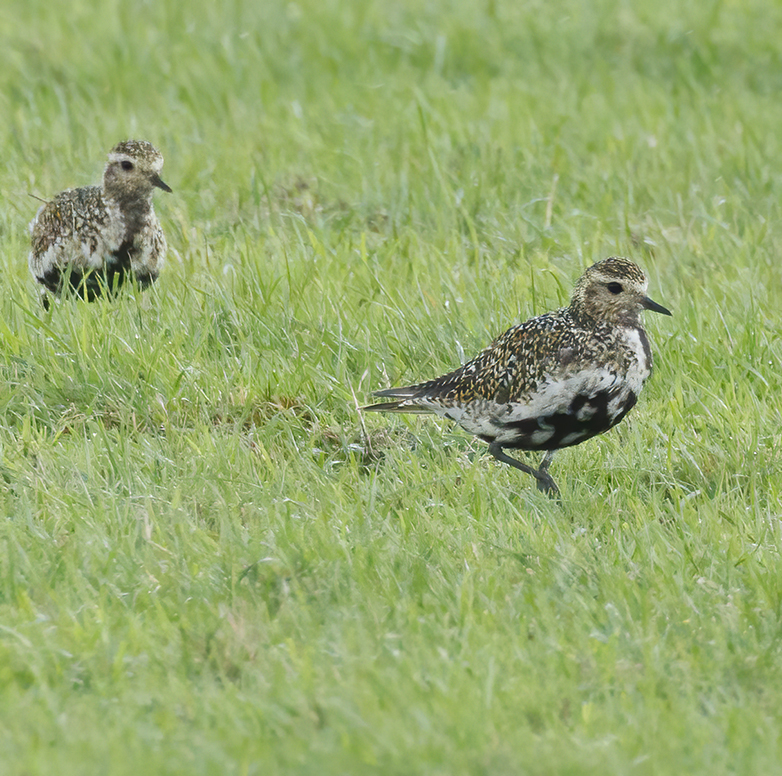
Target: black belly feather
(93, 283)
(564, 424)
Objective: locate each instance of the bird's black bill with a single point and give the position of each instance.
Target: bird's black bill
(156, 181)
(650, 304)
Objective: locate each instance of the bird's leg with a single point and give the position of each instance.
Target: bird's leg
(546, 462)
(545, 482)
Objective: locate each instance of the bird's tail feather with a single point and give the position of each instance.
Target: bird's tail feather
(407, 392)
(397, 406)
(405, 401)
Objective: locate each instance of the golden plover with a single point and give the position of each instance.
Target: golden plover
(90, 239)
(553, 381)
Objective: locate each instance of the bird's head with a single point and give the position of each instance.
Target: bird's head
(613, 290)
(133, 170)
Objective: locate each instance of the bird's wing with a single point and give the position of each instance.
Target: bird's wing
(69, 228)
(511, 369)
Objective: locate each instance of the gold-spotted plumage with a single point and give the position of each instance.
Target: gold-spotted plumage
(553, 381)
(92, 239)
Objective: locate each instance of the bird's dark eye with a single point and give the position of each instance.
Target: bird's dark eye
(126, 165)
(615, 288)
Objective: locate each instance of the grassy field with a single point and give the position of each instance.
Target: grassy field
(210, 563)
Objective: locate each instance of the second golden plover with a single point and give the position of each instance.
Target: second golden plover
(553, 381)
(91, 239)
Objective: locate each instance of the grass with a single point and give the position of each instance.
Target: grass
(208, 565)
